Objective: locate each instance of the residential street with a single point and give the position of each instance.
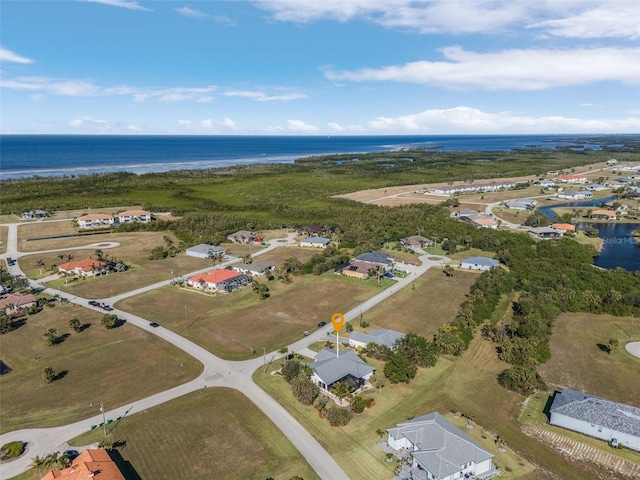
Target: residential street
(216, 372)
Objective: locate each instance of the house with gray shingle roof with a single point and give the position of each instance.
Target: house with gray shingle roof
(479, 263)
(205, 250)
(257, 267)
(331, 367)
(377, 258)
(597, 417)
(383, 336)
(440, 448)
(315, 242)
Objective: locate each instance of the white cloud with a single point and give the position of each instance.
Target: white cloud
(300, 126)
(184, 122)
(463, 119)
(618, 19)
(228, 123)
(89, 122)
(9, 56)
(518, 69)
(191, 13)
(335, 126)
(425, 16)
(130, 5)
(260, 96)
(85, 88)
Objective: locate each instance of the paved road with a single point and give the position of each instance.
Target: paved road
(216, 372)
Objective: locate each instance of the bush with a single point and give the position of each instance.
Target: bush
(321, 401)
(359, 403)
(399, 369)
(338, 416)
(291, 369)
(304, 390)
(12, 449)
(522, 379)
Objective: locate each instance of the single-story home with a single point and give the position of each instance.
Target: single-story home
(83, 268)
(129, 216)
(596, 187)
(572, 179)
(479, 263)
(204, 250)
(34, 214)
(242, 236)
(564, 227)
(95, 464)
(256, 268)
(95, 220)
(546, 183)
(313, 230)
(416, 241)
(219, 280)
(471, 188)
(377, 258)
(481, 221)
(602, 214)
(523, 204)
(315, 242)
(14, 302)
(355, 269)
(597, 417)
(544, 233)
(331, 367)
(383, 336)
(612, 161)
(575, 195)
(440, 448)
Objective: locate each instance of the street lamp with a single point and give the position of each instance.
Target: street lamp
(104, 421)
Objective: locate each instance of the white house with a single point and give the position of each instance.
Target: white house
(523, 204)
(315, 242)
(205, 250)
(597, 417)
(129, 216)
(479, 263)
(330, 368)
(219, 280)
(575, 195)
(96, 220)
(573, 179)
(84, 268)
(256, 268)
(383, 336)
(439, 448)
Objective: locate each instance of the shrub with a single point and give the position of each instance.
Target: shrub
(399, 369)
(338, 416)
(321, 401)
(12, 449)
(359, 403)
(304, 390)
(291, 369)
(522, 379)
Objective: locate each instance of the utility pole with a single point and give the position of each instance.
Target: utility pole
(264, 355)
(104, 421)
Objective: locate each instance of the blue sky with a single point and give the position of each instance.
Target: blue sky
(320, 67)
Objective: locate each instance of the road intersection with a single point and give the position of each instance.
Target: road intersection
(216, 371)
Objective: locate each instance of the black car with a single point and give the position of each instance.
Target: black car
(93, 303)
(322, 324)
(154, 324)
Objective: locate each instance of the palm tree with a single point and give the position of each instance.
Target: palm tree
(341, 390)
(38, 463)
(53, 459)
(40, 264)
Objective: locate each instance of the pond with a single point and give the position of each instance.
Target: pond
(619, 248)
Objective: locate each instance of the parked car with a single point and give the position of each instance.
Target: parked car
(322, 324)
(154, 324)
(93, 303)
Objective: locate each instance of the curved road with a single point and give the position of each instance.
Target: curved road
(216, 372)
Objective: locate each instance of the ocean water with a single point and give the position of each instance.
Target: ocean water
(58, 155)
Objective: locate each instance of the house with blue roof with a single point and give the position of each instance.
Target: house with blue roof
(597, 417)
(441, 449)
(479, 263)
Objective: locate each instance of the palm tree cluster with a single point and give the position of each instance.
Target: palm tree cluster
(48, 462)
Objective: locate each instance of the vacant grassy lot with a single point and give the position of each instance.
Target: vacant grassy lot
(434, 302)
(3, 239)
(96, 365)
(230, 324)
(212, 433)
(279, 255)
(467, 384)
(579, 359)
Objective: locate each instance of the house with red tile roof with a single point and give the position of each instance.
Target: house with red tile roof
(603, 214)
(83, 268)
(90, 464)
(95, 220)
(564, 227)
(219, 280)
(130, 216)
(14, 302)
(572, 179)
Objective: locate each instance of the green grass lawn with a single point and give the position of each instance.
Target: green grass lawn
(229, 325)
(212, 433)
(435, 301)
(98, 365)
